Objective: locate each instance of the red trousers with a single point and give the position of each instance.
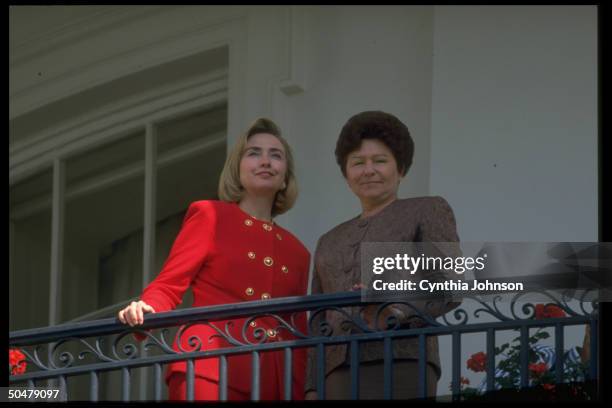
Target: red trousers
(271, 381)
(203, 389)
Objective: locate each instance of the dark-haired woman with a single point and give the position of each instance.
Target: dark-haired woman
(374, 152)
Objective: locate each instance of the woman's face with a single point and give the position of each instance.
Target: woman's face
(371, 172)
(263, 165)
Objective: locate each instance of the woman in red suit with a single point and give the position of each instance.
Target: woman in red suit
(231, 251)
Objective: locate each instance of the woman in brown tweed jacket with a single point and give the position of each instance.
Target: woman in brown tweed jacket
(374, 152)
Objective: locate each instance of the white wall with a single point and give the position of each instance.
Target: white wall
(356, 59)
(514, 121)
(514, 130)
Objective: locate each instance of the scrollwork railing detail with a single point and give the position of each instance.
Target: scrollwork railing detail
(324, 317)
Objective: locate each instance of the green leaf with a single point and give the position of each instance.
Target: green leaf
(499, 350)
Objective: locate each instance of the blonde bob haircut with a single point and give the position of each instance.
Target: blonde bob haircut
(231, 190)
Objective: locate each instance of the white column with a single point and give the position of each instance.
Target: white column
(148, 263)
(57, 241)
(57, 249)
(148, 250)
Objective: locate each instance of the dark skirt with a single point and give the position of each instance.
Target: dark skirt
(371, 380)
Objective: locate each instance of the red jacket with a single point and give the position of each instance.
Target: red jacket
(227, 256)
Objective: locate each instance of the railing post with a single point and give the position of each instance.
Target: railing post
(559, 363)
(422, 367)
(456, 357)
(490, 359)
(524, 356)
(255, 376)
(190, 380)
(321, 371)
(288, 372)
(354, 369)
(593, 358)
(93, 386)
(388, 368)
(158, 382)
(63, 385)
(223, 377)
(125, 389)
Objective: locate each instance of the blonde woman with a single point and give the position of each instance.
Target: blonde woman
(231, 251)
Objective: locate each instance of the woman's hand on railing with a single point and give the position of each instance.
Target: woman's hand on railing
(133, 314)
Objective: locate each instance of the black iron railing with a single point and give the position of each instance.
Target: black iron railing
(106, 345)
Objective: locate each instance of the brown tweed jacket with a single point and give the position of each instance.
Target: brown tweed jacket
(337, 268)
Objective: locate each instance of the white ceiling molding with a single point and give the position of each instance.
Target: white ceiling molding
(140, 105)
(171, 41)
(97, 19)
(219, 27)
(136, 122)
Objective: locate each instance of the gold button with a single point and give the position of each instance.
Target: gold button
(265, 296)
(284, 269)
(279, 237)
(249, 291)
(268, 261)
(267, 227)
(253, 324)
(271, 333)
(251, 254)
(248, 222)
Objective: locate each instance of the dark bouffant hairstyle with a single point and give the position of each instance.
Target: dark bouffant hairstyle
(376, 125)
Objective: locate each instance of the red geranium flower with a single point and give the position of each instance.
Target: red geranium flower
(17, 362)
(477, 362)
(548, 311)
(548, 387)
(537, 369)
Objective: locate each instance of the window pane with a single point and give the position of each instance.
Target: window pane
(30, 251)
(103, 233)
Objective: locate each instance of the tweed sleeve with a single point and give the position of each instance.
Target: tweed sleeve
(186, 257)
(437, 224)
(184, 261)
